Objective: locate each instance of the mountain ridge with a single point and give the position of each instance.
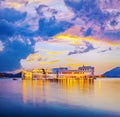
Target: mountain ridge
(115, 72)
(9, 75)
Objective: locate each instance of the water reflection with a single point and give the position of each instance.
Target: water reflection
(59, 90)
(67, 97)
(98, 93)
(80, 85)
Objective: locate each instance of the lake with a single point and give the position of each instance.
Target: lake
(60, 98)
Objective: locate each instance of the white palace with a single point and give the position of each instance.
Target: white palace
(62, 72)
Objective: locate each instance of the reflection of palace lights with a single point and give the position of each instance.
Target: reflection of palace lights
(39, 90)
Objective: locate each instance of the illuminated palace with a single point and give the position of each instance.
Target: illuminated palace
(62, 72)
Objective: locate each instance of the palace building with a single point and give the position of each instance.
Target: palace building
(81, 72)
(62, 72)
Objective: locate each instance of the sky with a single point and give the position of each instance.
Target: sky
(59, 33)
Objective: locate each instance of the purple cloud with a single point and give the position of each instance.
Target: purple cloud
(80, 50)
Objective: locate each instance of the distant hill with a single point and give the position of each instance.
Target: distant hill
(115, 72)
(16, 75)
(4, 75)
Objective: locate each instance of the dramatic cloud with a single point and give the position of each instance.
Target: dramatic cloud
(85, 44)
(12, 54)
(82, 49)
(88, 10)
(44, 10)
(51, 27)
(98, 15)
(6, 28)
(36, 57)
(11, 15)
(60, 13)
(11, 23)
(49, 33)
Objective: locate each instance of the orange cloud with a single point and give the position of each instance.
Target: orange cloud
(15, 5)
(54, 61)
(56, 53)
(49, 62)
(36, 57)
(77, 40)
(71, 39)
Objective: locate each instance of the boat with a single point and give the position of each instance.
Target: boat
(14, 78)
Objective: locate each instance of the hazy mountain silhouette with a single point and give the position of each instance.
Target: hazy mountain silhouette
(115, 72)
(9, 75)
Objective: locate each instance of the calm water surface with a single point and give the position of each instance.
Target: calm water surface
(68, 97)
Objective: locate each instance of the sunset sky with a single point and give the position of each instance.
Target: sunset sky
(59, 33)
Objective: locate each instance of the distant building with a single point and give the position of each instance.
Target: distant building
(26, 75)
(62, 72)
(84, 71)
(57, 70)
(87, 70)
